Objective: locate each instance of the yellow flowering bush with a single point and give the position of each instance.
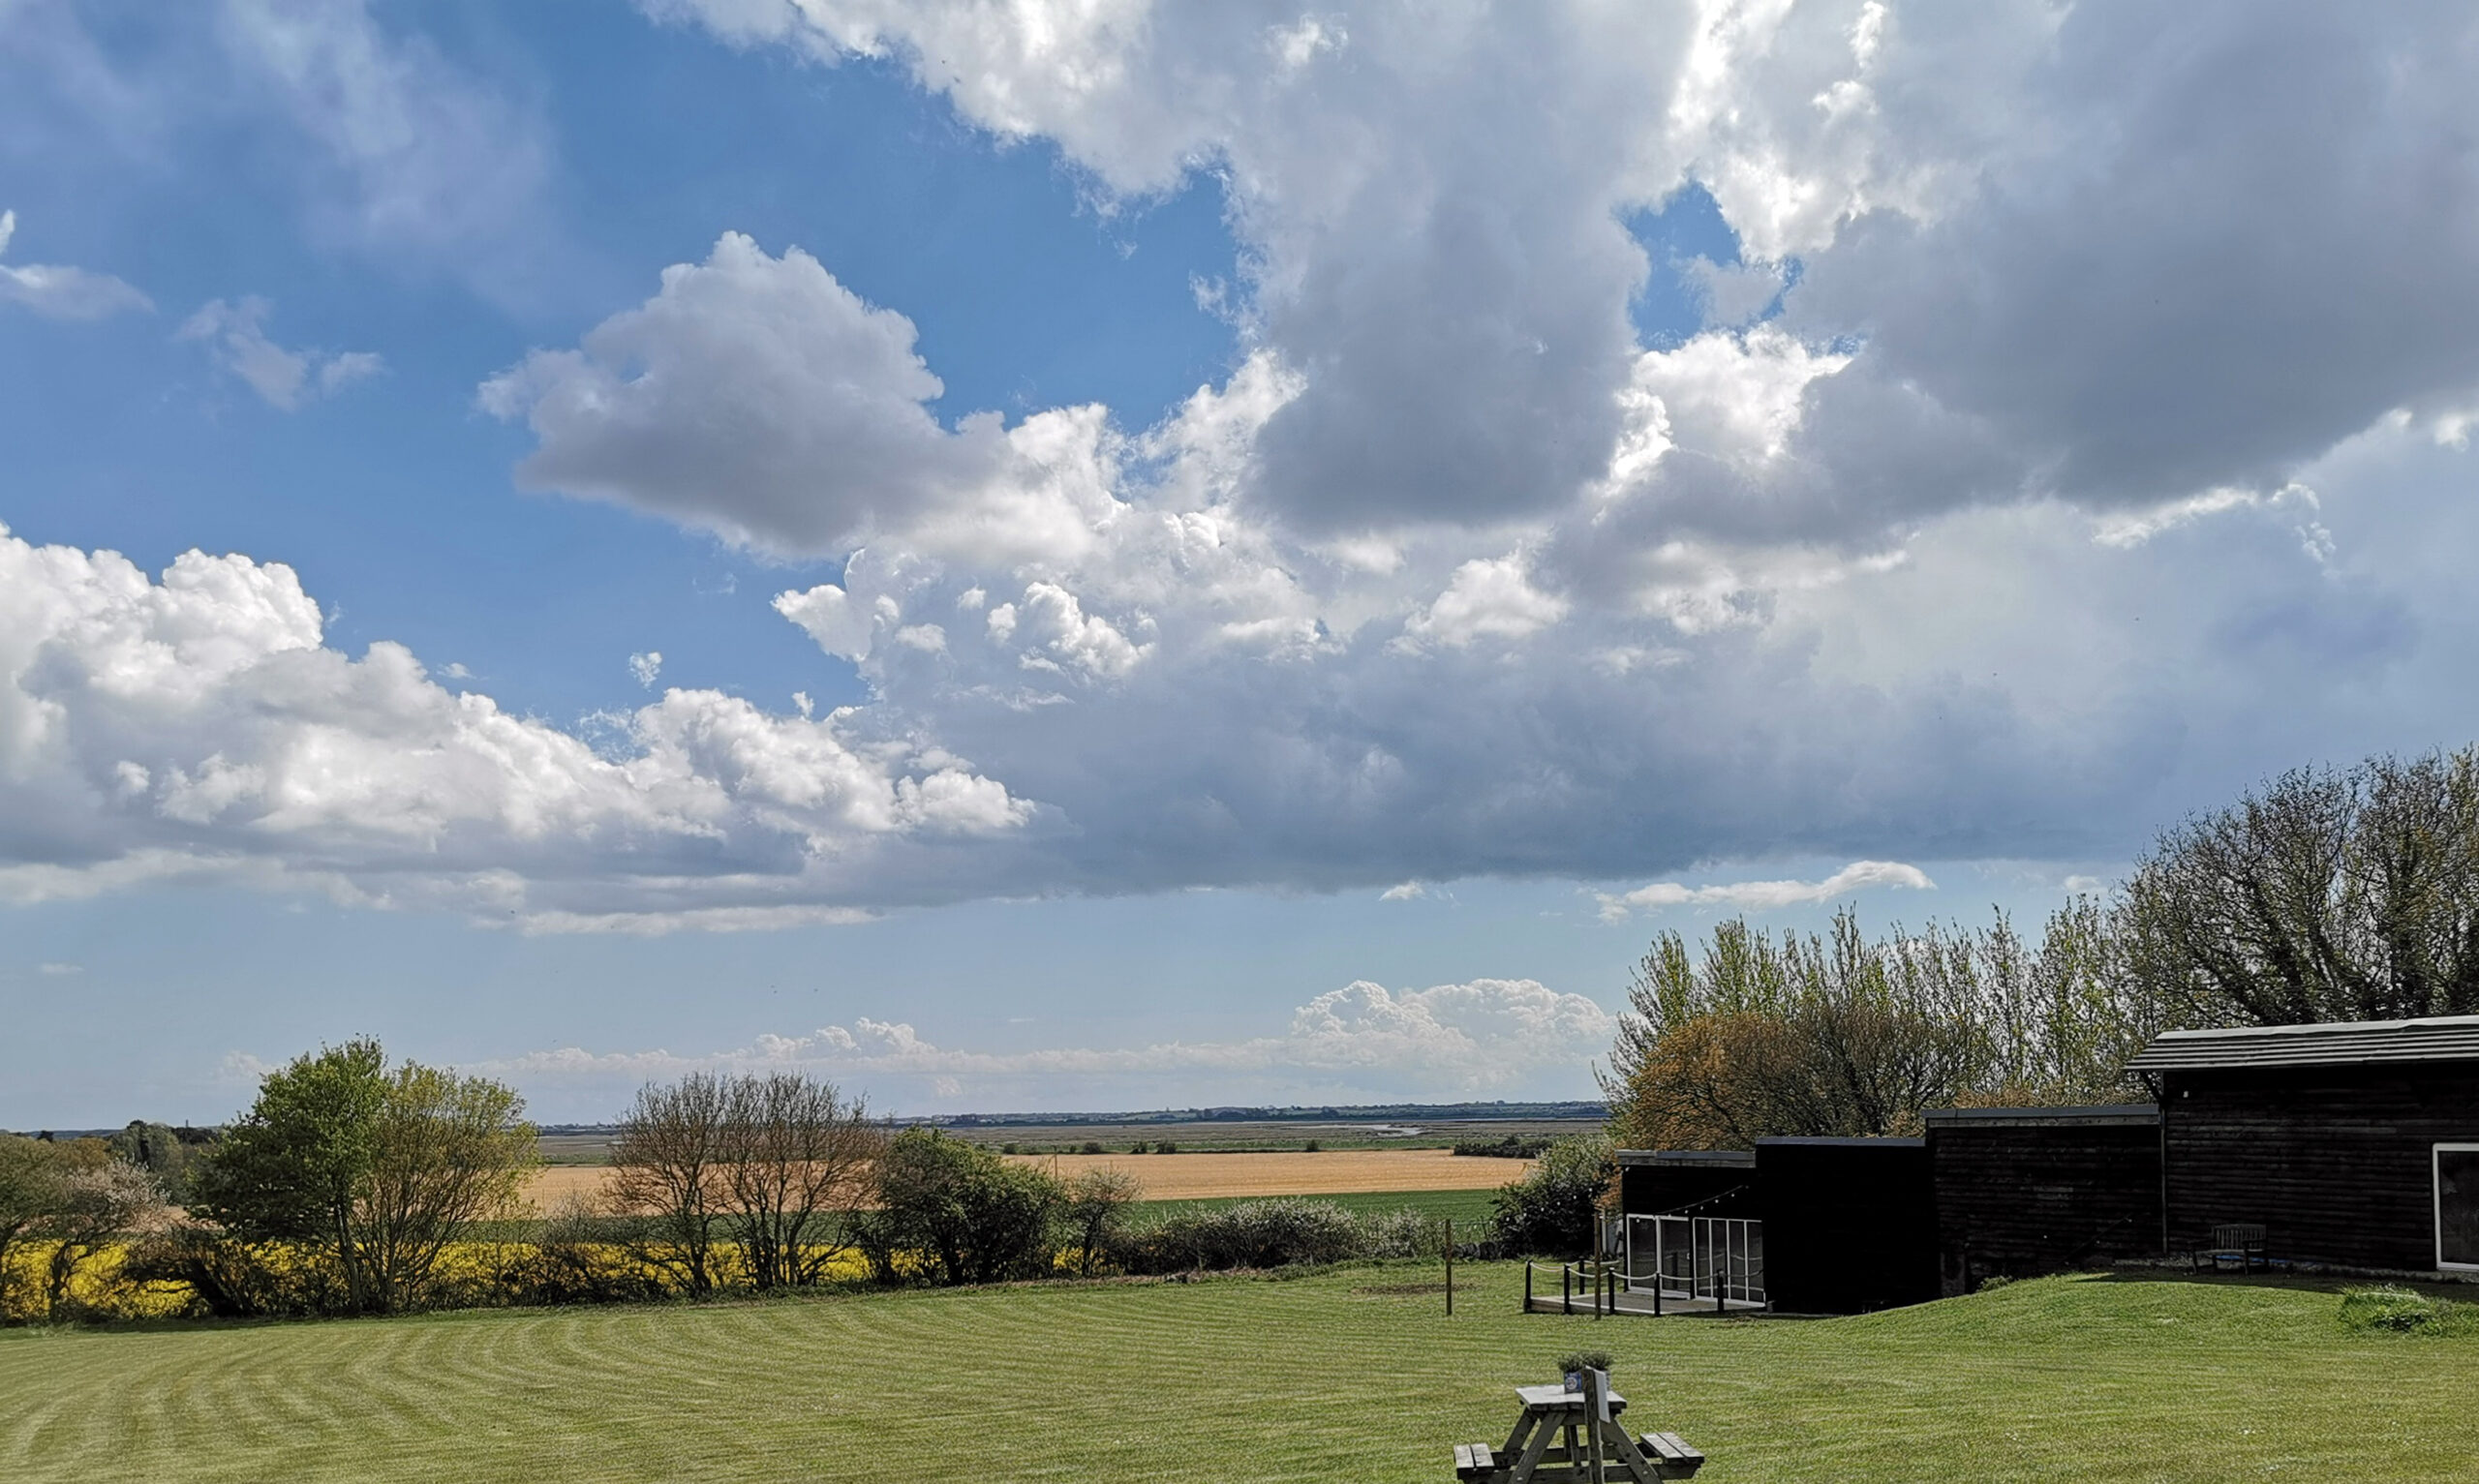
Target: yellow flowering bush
(159, 1281)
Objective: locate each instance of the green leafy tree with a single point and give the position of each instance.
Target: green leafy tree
(1839, 1034)
(1095, 1213)
(1551, 1208)
(972, 1215)
(373, 1169)
(163, 1151)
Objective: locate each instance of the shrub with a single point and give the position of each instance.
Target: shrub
(1252, 1234)
(569, 1262)
(2389, 1308)
(1407, 1232)
(977, 1218)
(233, 1279)
(1095, 1214)
(1166, 1147)
(1551, 1207)
(1091, 1146)
(1513, 1146)
(1310, 1147)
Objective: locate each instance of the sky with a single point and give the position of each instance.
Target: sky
(1101, 555)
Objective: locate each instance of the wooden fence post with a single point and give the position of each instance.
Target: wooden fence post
(1596, 1413)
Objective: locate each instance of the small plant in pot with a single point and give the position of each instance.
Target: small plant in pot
(1575, 1363)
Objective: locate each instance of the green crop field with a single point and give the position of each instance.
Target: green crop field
(1349, 1375)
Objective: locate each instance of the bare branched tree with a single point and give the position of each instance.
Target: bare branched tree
(2325, 896)
(666, 1169)
(795, 1157)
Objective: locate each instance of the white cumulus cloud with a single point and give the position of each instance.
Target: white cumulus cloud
(1762, 895)
(197, 724)
(60, 293)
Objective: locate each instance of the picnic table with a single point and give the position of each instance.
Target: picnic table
(1573, 1436)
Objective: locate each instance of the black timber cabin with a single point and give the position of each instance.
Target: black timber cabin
(1848, 1225)
(2353, 1145)
(1800, 1225)
(2025, 1190)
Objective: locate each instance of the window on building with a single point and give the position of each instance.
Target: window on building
(2457, 1206)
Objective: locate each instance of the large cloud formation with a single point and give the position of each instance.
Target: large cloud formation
(197, 724)
(2024, 293)
(2077, 431)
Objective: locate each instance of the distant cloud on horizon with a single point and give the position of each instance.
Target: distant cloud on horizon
(1763, 896)
(1479, 1040)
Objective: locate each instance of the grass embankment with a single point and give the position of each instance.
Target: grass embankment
(1323, 1379)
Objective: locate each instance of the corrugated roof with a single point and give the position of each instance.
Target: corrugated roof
(2041, 1117)
(2442, 1039)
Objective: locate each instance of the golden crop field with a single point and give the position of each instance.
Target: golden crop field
(1198, 1176)
(1327, 1172)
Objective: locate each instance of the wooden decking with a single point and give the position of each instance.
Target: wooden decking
(1580, 1289)
(1631, 1303)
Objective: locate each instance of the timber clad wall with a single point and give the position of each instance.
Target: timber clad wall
(2323, 1135)
(1849, 1224)
(2334, 1161)
(2024, 1192)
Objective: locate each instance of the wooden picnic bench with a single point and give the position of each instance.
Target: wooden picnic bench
(1575, 1437)
(2238, 1241)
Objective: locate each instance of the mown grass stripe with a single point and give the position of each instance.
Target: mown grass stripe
(1307, 1379)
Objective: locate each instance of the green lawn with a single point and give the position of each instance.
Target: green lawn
(1333, 1378)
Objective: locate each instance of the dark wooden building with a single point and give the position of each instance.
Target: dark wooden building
(2026, 1190)
(2352, 1144)
(1849, 1224)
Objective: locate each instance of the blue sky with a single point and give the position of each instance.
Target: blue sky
(1114, 558)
